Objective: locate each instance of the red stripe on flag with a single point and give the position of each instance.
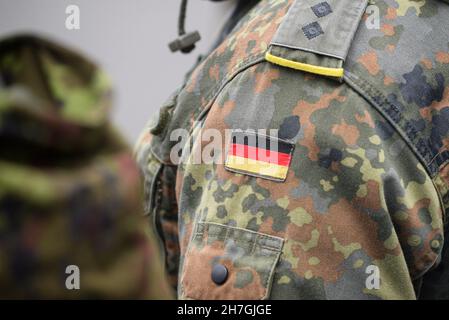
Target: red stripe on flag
(279, 158)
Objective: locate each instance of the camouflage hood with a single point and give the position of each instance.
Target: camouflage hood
(69, 188)
(56, 98)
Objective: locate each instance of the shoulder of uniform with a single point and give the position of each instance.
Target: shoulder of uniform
(315, 36)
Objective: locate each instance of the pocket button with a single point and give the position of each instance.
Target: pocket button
(219, 274)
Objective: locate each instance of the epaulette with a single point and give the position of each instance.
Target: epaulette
(315, 36)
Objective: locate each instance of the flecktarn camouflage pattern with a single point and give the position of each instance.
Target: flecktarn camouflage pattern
(70, 191)
(364, 191)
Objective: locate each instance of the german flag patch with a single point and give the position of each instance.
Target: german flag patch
(259, 155)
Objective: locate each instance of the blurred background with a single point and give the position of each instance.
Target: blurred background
(128, 38)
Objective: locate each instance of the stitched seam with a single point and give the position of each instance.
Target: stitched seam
(269, 282)
(215, 91)
(401, 118)
(261, 235)
(307, 50)
(352, 83)
(363, 87)
(439, 154)
(444, 164)
(436, 156)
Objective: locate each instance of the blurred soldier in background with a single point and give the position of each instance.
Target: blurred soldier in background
(331, 175)
(69, 189)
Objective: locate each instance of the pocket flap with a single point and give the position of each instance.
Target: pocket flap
(224, 262)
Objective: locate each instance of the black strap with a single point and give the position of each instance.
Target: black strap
(185, 41)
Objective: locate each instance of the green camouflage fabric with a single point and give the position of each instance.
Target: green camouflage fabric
(368, 182)
(70, 192)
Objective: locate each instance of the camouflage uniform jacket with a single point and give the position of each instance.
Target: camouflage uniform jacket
(359, 189)
(70, 192)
